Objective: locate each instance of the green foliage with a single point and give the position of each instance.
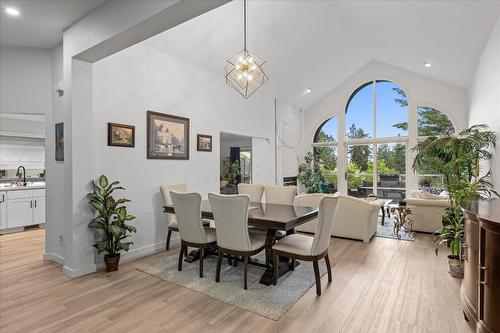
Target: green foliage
(111, 218)
(452, 232)
(310, 174)
(354, 181)
(230, 171)
(359, 155)
(382, 168)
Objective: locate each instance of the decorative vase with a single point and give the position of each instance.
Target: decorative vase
(112, 261)
(456, 267)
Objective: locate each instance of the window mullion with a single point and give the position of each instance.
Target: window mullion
(374, 131)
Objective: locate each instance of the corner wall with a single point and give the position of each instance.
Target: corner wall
(484, 98)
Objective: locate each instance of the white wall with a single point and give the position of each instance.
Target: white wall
(484, 100)
(420, 91)
(125, 88)
(25, 80)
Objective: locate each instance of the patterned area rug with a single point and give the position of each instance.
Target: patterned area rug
(270, 302)
(387, 230)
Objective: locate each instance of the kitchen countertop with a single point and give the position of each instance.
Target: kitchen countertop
(35, 186)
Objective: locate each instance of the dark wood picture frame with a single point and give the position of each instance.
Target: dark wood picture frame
(151, 153)
(59, 142)
(198, 143)
(111, 142)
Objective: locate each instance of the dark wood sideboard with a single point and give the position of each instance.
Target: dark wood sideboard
(480, 290)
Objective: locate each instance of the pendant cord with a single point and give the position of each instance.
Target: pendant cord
(244, 24)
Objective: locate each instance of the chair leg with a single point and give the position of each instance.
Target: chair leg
(202, 254)
(168, 239)
(276, 264)
(235, 261)
(317, 277)
(245, 271)
(328, 268)
(186, 251)
(181, 252)
(219, 264)
(292, 268)
(229, 260)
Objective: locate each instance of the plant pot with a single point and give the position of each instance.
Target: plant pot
(112, 261)
(456, 267)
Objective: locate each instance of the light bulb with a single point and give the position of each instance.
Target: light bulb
(249, 77)
(12, 11)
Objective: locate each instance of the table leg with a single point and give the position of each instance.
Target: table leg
(383, 215)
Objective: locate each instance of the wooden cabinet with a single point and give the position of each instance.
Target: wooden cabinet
(482, 235)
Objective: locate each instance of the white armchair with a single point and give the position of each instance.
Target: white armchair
(356, 218)
(428, 211)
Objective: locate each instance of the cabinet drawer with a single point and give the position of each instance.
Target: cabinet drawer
(19, 194)
(38, 193)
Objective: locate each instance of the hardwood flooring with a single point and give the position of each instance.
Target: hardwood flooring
(383, 286)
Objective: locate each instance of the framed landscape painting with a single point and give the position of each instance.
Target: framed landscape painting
(168, 136)
(121, 135)
(59, 136)
(204, 142)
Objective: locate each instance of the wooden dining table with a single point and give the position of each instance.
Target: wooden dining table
(270, 218)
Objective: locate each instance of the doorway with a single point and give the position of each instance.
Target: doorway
(235, 161)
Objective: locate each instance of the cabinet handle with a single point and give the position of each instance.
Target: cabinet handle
(35, 203)
(31, 203)
(485, 275)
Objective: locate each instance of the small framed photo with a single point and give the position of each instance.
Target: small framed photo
(121, 135)
(204, 142)
(59, 133)
(168, 137)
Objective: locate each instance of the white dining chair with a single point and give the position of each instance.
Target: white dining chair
(231, 222)
(187, 207)
(309, 248)
(171, 218)
(281, 195)
(254, 191)
(308, 200)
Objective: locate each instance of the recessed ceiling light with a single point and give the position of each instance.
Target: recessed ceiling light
(307, 91)
(12, 11)
(427, 64)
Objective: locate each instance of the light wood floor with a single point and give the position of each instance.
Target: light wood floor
(383, 286)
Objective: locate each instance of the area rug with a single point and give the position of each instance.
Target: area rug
(268, 301)
(387, 230)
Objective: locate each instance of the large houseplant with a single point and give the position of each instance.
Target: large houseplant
(310, 174)
(458, 158)
(111, 221)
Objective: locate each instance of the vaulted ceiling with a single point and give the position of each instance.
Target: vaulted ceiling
(318, 44)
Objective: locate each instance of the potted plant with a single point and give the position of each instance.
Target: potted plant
(111, 221)
(310, 174)
(457, 158)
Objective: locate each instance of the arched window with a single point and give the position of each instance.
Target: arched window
(433, 122)
(326, 155)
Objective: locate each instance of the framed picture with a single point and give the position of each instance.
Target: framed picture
(204, 142)
(59, 134)
(168, 136)
(121, 135)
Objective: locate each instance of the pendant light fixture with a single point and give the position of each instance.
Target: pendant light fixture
(245, 71)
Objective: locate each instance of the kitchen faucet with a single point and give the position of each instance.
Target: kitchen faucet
(24, 174)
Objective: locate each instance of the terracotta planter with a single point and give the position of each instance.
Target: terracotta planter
(112, 261)
(456, 267)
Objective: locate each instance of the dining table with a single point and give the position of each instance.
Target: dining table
(270, 219)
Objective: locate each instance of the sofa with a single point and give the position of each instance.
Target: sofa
(428, 210)
(355, 218)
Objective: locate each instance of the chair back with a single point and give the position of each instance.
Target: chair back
(326, 219)
(231, 220)
(254, 191)
(282, 195)
(187, 208)
(165, 191)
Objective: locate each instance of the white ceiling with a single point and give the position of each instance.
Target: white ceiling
(319, 44)
(41, 22)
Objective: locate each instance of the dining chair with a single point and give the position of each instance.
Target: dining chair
(254, 191)
(171, 219)
(282, 195)
(309, 248)
(231, 222)
(187, 207)
(308, 200)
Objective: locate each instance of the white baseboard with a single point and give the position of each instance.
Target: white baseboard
(74, 273)
(146, 250)
(54, 257)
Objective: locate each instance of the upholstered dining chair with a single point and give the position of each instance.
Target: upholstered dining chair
(171, 219)
(308, 248)
(254, 191)
(187, 207)
(282, 195)
(308, 200)
(231, 221)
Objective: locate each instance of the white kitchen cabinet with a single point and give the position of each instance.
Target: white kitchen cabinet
(19, 212)
(3, 210)
(38, 210)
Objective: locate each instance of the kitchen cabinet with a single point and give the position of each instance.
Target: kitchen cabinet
(19, 212)
(39, 210)
(3, 210)
(22, 207)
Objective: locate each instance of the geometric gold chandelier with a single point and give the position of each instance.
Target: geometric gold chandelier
(245, 71)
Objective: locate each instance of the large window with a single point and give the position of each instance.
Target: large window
(327, 155)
